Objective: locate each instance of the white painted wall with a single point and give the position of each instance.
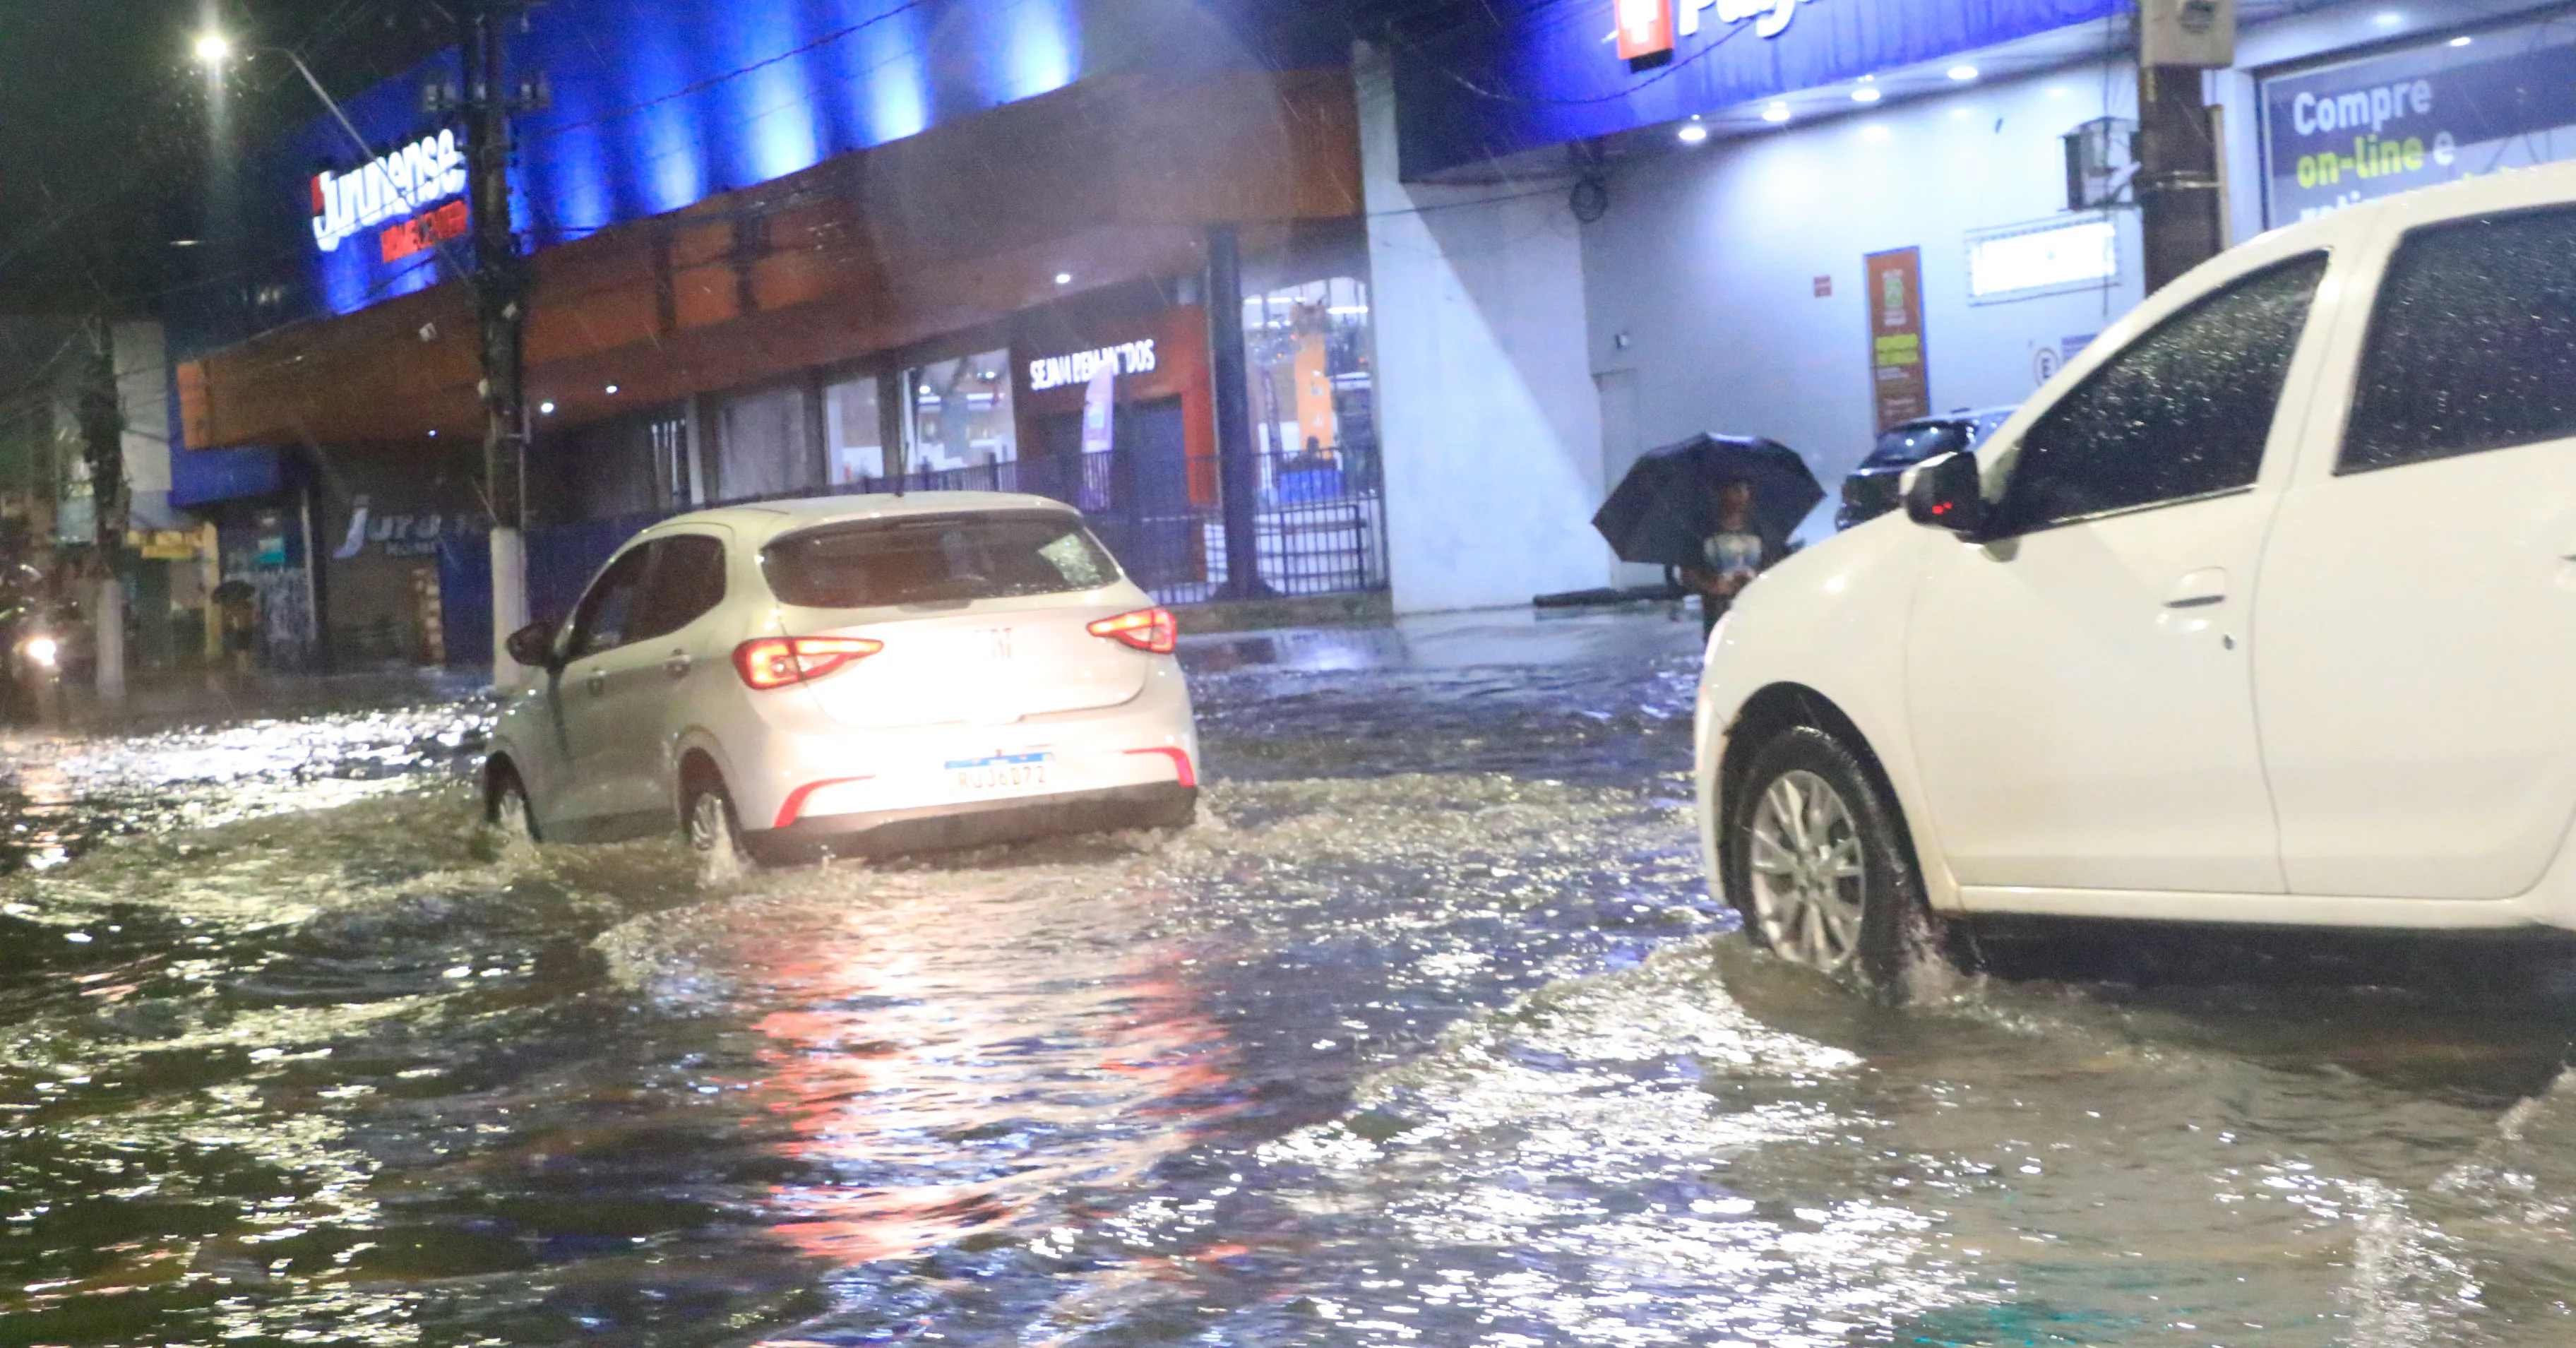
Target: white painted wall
(1488, 422)
(143, 393)
(1707, 262)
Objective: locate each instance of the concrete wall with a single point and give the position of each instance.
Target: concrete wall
(1707, 259)
(1489, 425)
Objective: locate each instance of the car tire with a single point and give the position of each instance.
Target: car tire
(1818, 862)
(714, 829)
(506, 805)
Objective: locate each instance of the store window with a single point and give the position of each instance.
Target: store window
(961, 415)
(761, 444)
(854, 437)
(1314, 407)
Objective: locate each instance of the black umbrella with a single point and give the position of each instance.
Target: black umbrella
(1667, 504)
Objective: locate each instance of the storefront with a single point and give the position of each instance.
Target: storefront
(1805, 221)
(1103, 399)
(757, 280)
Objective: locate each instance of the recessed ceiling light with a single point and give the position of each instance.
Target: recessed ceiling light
(612, 390)
(545, 409)
(1867, 93)
(433, 435)
(1963, 73)
(2462, 40)
(2389, 19)
(1776, 113)
(1064, 278)
(1692, 133)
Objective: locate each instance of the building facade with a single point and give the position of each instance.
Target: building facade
(1803, 220)
(844, 245)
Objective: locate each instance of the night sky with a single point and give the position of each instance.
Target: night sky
(108, 131)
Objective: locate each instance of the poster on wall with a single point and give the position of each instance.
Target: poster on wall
(2463, 107)
(1893, 288)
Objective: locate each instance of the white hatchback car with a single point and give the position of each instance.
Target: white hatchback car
(2262, 611)
(857, 674)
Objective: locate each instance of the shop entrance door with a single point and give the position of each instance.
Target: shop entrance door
(1157, 529)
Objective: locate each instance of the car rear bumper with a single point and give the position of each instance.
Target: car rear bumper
(933, 828)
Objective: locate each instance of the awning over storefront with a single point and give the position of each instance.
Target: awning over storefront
(1488, 88)
(1104, 181)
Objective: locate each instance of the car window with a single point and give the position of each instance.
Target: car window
(2473, 345)
(1916, 441)
(936, 559)
(600, 621)
(2180, 413)
(687, 581)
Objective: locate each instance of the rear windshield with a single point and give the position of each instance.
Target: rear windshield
(930, 559)
(1915, 442)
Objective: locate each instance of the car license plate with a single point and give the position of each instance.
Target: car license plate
(999, 775)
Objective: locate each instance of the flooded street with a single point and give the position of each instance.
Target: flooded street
(1428, 1033)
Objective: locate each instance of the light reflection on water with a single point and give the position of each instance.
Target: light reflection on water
(1427, 1036)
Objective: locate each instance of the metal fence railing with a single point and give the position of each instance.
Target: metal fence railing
(1319, 529)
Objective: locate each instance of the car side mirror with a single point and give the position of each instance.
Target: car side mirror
(1947, 492)
(533, 645)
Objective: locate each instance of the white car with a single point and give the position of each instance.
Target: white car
(857, 674)
(2262, 611)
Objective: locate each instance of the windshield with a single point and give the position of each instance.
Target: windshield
(930, 559)
(1916, 441)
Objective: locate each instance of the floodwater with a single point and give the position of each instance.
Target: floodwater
(1428, 1034)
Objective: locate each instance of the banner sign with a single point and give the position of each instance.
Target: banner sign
(1502, 80)
(2366, 129)
(400, 185)
(1900, 384)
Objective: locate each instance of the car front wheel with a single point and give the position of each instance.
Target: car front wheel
(507, 808)
(1818, 864)
(715, 831)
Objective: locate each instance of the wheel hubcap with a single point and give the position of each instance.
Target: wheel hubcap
(708, 827)
(510, 813)
(1805, 866)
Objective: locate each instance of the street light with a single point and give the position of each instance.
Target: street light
(214, 49)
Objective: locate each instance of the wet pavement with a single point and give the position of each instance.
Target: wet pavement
(1428, 1034)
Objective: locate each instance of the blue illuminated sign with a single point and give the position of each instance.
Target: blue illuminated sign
(2365, 129)
(658, 104)
(1548, 75)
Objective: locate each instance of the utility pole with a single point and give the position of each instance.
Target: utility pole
(2177, 142)
(1238, 463)
(500, 287)
(101, 418)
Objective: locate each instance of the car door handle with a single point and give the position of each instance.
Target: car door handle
(598, 682)
(2199, 589)
(678, 665)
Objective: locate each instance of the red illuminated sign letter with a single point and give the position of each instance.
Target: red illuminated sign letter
(1645, 28)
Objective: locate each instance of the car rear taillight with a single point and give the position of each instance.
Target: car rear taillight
(775, 662)
(1146, 629)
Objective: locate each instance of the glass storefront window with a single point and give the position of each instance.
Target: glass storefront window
(854, 436)
(761, 444)
(961, 414)
(1313, 398)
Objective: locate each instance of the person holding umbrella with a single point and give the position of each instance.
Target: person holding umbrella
(1717, 508)
(1731, 555)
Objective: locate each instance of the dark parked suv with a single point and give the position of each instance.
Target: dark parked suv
(1870, 491)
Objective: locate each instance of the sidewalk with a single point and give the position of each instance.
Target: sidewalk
(164, 698)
